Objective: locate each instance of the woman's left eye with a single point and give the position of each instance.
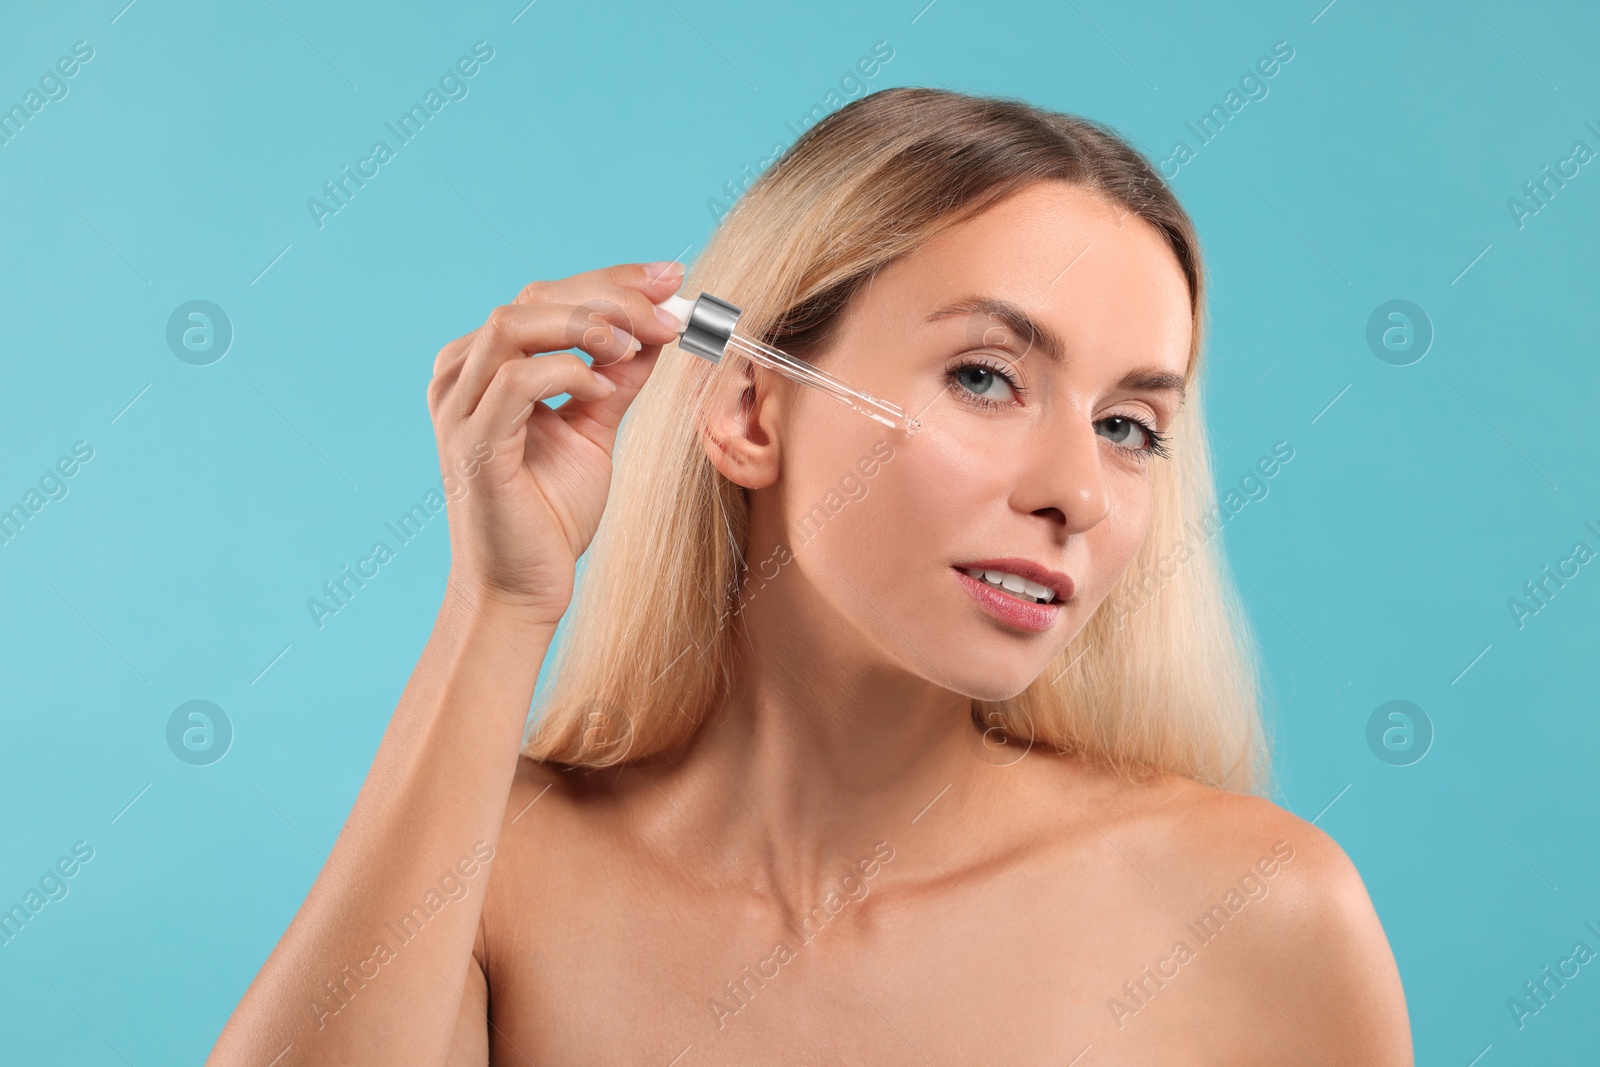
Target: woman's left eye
(985, 385)
(1148, 442)
(1122, 428)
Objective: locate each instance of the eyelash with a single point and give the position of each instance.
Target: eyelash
(1157, 445)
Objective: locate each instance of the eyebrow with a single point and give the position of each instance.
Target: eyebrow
(1019, 322)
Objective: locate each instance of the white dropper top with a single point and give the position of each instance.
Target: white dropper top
(679, 307)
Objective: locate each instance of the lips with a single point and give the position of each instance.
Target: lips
(1015, 607)
(1012, 610)
(1060, 583)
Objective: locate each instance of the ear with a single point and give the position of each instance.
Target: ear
(740, 432)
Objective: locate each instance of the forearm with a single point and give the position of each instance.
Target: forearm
(360, 973)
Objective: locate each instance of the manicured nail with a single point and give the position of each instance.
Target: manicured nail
(664, 270)
(624, 340)
(668, 319)
(610, 385)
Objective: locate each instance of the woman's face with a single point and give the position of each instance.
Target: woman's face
(1032, 343)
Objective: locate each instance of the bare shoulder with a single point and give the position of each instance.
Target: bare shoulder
(555, 828)
(1313, 953)
(1288, 941)
(548, 801)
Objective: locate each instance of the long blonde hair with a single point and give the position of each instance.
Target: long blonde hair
(1160, 680)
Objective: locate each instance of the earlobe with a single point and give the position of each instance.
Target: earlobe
(739, 436)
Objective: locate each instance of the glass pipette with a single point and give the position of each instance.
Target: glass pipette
(706, 328)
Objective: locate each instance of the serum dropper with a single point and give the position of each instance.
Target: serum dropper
(707, 329)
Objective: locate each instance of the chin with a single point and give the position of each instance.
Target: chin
(989, 685)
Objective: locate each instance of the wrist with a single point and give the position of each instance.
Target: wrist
(474, 605)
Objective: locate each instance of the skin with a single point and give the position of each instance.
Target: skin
(937, 897)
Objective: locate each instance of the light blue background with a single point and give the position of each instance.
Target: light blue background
(178, 567)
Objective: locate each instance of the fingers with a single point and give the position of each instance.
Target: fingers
(653, 282)
(519, 385)
(609, 313)
(630, 289)
(598, 420)
(517, 330)
(625, 294)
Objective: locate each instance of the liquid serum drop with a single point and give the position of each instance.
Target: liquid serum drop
(706, 328)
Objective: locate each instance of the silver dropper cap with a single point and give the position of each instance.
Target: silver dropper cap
(711, 323)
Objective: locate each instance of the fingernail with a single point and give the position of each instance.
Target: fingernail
(624, 340)
(668, 319)
(610, 385)
(664, 270)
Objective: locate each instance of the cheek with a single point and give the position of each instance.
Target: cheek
(888, 530)
(932, 488)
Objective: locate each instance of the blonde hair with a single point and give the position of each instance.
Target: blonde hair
(1152, 683)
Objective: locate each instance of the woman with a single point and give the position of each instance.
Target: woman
(807, 786)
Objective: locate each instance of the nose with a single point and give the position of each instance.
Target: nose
(1062, 477)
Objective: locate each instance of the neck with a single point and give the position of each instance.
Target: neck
(822, 750)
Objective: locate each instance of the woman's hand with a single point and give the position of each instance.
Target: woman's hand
(527, 482)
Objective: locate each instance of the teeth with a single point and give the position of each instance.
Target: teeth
(1015, 584)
